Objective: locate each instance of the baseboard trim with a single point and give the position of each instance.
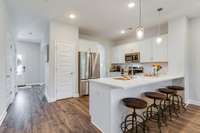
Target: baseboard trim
(49, 100)
(195, 102)
(93, 123)
(3, 116)
(76, 95)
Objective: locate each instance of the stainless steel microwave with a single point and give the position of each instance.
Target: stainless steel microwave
(132, 57)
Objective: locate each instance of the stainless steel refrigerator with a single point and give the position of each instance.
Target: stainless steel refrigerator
(89, 68)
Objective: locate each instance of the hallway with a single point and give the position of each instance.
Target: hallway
(30, 113)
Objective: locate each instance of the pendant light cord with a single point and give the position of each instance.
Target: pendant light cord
(159, 23)
(140, 13)
(159, 14)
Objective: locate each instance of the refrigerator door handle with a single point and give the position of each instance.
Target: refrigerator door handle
(90, 65)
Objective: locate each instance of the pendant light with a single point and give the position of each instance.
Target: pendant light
(159, 38)
(140, 28)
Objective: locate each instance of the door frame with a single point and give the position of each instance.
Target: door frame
(56, 42)
(11, 49)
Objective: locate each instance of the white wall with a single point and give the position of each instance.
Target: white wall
(60, 32)
(178, 50)
(94, 46)
(194, 61)
(31, 60)
(177, 39)
(4, 29)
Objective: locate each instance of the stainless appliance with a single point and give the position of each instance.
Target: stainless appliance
(135, 70)
(89, 68)
(132, 57)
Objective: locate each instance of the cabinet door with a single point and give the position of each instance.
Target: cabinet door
(131, 48)
(118, 54)
(114, 55)
(145, 47)
(160, 52)
(121, 54)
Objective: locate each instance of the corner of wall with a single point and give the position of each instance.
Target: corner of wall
(3, 116)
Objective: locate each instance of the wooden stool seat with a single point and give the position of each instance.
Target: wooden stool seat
(134, 103)
(177, 88)
(155, 95)
(167, 91)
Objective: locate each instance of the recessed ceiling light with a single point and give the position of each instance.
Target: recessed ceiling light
(123, 32)
(131, 4)
(72, 16)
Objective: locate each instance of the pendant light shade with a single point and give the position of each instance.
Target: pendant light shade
(140, 28)
(140, 32)
(159, 38)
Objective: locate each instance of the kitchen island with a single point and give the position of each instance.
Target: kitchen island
(106, 109)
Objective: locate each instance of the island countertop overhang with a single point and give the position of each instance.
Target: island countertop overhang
(135, 82)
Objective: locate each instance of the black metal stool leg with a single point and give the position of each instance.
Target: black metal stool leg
(174, 105)
(182, 103)
(133, 124)
(154, 114)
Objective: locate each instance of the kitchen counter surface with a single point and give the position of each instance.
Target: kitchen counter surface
(135, 82)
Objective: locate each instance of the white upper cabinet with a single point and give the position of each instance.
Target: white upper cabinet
(131, 48)
(149, 50)
(146, 48)
(160, 51)
(118, 54)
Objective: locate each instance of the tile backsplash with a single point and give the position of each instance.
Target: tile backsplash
(148, 67)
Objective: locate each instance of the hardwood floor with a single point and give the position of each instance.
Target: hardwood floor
(30, 113)
(187, 122)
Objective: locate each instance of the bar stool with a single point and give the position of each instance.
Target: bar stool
(179, 100)
(154, 111)
(168, 101)
(133, 122)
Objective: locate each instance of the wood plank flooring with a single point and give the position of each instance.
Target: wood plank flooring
(30, 113)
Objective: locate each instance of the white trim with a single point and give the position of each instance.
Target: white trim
(35, 84)
(195, 102)
(3, 116)
(25, 87)
(55, 69)
(76, 95)
(49, 100)
(97, 126)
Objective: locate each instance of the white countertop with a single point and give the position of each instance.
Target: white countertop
(136, 81)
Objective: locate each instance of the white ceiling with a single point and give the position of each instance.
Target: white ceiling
(103, 18)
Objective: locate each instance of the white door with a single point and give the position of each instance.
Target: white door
(65, 69)
(10, 69)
